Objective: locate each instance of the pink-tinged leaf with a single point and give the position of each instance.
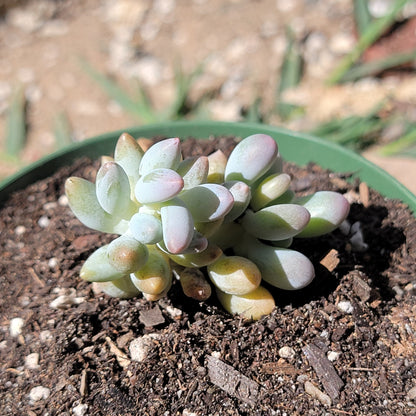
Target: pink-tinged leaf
(158, 185)
(194, 171)
(128, 154)
(277, 222)
(251, 158)
(165, 154)
(241, 193)
(178, 227)
(328, 210)
(113, 190)
(84, 204)
(208, 202)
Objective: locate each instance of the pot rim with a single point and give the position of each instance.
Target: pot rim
(307, 149)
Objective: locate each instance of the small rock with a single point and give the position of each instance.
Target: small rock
(411, 394)
(46, 336)
(44, 221)
(333, 355)
(39, 393)
(16, 326)
(345, 306)
(141, 347)
(66, 299)
(53, 263)
(63, 201)
(286, 352)
(80, 410)
(32, 361)
(174, 312)
(314, 392)
(20, 230)
(152, 317)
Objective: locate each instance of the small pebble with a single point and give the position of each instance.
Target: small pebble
(39, 393)
(63, 201)
(286, 352)
(44, 221)
(141, 347)
(16, 326)
(333, 355)
(345, 306)
(411, 394)
(46, 336)
(32, 361)
(80, 410)
(317, 394)
(52, 263)
(20, 230)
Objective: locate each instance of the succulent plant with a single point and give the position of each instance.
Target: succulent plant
(204, 219)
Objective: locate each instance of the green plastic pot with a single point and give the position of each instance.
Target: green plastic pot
(295, 147)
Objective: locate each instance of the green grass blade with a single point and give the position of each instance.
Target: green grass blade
(362, 15)
(183, 85)
(62, 131)
(15, 138)
(378, 66)
(371, 34)
(401, 146)
(290, 74)
(138, 109)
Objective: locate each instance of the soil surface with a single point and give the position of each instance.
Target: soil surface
(240, 45)
(343, 346)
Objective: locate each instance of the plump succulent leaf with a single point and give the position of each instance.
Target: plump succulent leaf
(177, 225)
(113, 190)
(128, 154)
(209, 228)
(155, 276)
(208, 202)
(253, 305)
(241, 193)
(277, 222)
(194, 171)
(251, 158)
(217, 163)
(146, 228)
(84, 204)
(158, 185)
(286, 243)
(234, 275)
(97, 267)
(122, 288)
(269, 189)
(127, 254)
(328, 210)
(193, 282)
(165, 154)
(202, 259)
(281, 267)
(227, 235)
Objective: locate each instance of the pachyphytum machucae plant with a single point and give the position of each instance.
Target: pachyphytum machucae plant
(199, 220)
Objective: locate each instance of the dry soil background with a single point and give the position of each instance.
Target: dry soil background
(239, 42)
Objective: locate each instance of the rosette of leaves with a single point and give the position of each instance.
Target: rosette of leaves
(229, 220)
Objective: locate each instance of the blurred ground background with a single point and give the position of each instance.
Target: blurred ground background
(72, 69)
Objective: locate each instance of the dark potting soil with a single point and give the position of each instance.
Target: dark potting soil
(343, 346)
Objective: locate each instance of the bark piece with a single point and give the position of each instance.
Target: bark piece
(232, 381)
(331, 260)
(324, 369)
